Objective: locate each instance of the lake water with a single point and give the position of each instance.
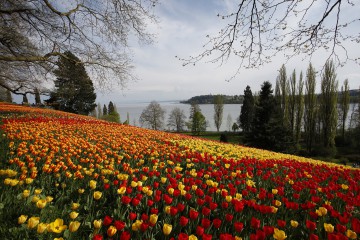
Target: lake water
(135, 110)
(233, 110)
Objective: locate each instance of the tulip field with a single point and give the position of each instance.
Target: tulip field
(66, 176)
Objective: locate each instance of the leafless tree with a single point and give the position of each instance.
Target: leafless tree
(256, 31)
(153, 116)
(33, 33)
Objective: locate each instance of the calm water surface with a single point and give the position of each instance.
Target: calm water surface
(135, 109)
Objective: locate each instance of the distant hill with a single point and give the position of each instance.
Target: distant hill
(238, 99)
(209, 99)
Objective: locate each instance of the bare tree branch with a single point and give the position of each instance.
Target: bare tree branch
(256, 31)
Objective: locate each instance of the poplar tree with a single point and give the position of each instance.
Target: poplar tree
(344, 106)
(310, 105)
(292, 102)
(299, 111)
(328, 105)
(218, 111)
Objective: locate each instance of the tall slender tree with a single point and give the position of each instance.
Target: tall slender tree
(260, 134)
(247, 110)
(218, 111)
(292, 102)
(310, 105)
(283, 89)
(299, 108)
(328, 105)
(344, 106)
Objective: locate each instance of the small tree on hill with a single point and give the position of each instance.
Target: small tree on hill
(218, 109)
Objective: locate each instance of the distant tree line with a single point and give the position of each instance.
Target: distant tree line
(210, 99)
(294, 119)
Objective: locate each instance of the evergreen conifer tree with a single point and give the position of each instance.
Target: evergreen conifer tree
(74, 90)
(247, 110)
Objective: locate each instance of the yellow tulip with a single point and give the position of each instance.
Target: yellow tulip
(133, 184)
(41, 203)
(37, 191)
(74, 215)
(193, 237)
(167, 229)
(171, 191)
(57, 226)
(49, 199)
(41, 227)
(121, 190)
(328, 227)
(97, 224)
(22, 219)
(35, 199)
(75, 206)
(111, 231)
(81, 190)
(33, 222)
(25, 193)
(29, 180)
(92, 184)
(136, 225)
(228, 198)
(294, 223)
(279, 234)
(97, 195)
(74, 226)
(351, 234)
(153, 218)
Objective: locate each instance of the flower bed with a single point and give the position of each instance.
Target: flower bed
(74, 177)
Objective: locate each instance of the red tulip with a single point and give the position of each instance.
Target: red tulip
(255, 223)
(281, 223)
(173, 211)
(199, 230)
(183, 236)
(107, 220)
(238, 226)
(206, 236)
(355, 225)
(144, 217)
(119, 225)
(310, 225)
(125, 199)
(183, 221)
(268, 230)
(226, 236)
(205, 222)
(193, 214)
(340, 228)
(135, 202)
(125, 236)
(132, 216)
(180, 207)
(98, 237)
(217, 223)
(229, 217)
(313, 237)
(205, 211)
(144, 226)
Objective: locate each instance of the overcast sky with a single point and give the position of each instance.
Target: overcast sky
(182, 29)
